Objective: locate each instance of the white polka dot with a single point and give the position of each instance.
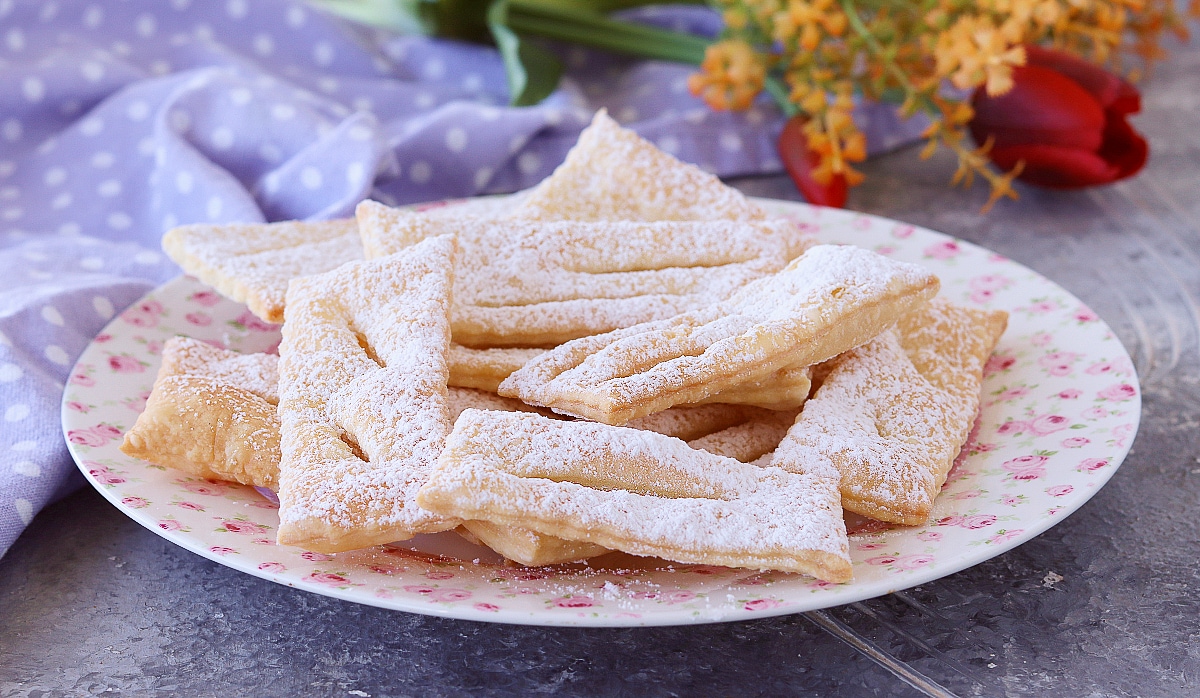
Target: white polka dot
(103, 307)
(330, 85)
(529, 163)
(755, 117)
(363, 104)
(54, 176)
(270, 152)
(57, 355)
(70, 107)
(240, 96)
(7, 167)
(296, 17)
(456, 139)
(13, 213)
(355, 172)
(669, 144)
(489, 113)
(147, 257)
(482, 176)
(283, 112)
(51, 315)
(109, 188)
(424, 100)
(92, 263)
(236, 9)
(553, 117)
(359, 132)
(731, 142)
(33, 88)
(271, 183)
(137, 110)
(118, 220)
(103, 159)
(434, 69)
(145, 26)
(69, 229)
(61, 201)
(180, 120)
(10, 373)
(264, 45)
(181, 5)
(12, 130)
(15, 40)
(695, 116)
(420, 172)
(16, 413)
(472, 83)
(35, 255)
(184, 182)
(222, 138)
(323, 53)
(147, 146)
(24, 510)
(92, 17)
(27, 468)
(10, 193)
(121, 48)
(203, 32)
(627, 114)
(214, 206)
(169, 221)
(91, 127)
(24, 446)
(311, 177)
(92, 71)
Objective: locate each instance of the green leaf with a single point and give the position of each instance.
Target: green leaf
(532, 71)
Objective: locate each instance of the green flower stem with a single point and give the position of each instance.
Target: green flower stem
(590, 29)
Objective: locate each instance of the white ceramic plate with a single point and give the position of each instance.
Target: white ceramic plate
(1060, 409)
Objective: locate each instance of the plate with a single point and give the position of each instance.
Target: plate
(1060, 409)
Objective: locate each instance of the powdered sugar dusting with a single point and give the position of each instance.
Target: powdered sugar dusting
(530, 283)
(613, 174)
(252, 263)
(828, 300)
(363, 399)
(640, 492)
(254, 373)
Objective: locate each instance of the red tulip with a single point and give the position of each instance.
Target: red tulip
(1066, 119)
(800, 162)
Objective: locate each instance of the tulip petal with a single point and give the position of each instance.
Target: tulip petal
(800, 162)
(1055, 166)
(1112, 92)
(1042, 108)
(1123, 148)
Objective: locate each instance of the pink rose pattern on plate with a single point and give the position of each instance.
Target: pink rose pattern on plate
(1061, 407)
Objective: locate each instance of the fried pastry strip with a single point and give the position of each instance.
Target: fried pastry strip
(893, 414)
(613, 174)
(252, 263)
(211, 413)
(827, 301)
(639, 492)
(531, 283)
(363, 402)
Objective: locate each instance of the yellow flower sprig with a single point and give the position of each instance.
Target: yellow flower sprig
(830, 51)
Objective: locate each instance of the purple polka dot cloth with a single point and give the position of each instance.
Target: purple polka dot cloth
(120, 120)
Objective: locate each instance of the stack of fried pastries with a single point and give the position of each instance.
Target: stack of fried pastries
(620, 360)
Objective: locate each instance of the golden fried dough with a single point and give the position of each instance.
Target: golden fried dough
(829, 300)
(363, 401)
(639, 492)
(893, 414)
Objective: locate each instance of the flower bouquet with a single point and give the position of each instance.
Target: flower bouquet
(1017, 89)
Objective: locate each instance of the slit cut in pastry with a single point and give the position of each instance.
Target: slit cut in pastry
(391, 401)
(536, 283)
(830, 299)
(641, 493)
(893, 414)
